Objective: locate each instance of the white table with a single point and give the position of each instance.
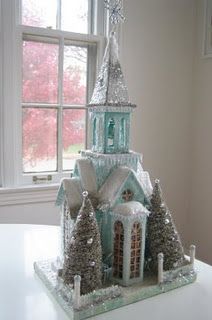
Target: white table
(24, 297)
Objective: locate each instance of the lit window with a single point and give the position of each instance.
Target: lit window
(111, 133)
(135, 254)
(118, 248)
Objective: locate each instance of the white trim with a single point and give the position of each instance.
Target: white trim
(9, 100)
(26, 195)
(60, 109)
(52, 106)
(18, 109)
(27, 179)
(100, 18)
(1, 98)
(53, 33)
(58, 17)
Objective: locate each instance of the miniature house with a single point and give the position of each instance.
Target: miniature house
(113, 176)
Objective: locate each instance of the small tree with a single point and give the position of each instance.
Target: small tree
(84, 255)
(162, 234)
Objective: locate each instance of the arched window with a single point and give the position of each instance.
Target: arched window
(123, 132)
(135, 255)
(118, 249)
(111, 132)
(94, 132)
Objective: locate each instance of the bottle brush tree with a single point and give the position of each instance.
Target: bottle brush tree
(83, 255)
(162, 234)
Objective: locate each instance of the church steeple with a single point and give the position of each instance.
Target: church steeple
(110, 107)
(110, 88)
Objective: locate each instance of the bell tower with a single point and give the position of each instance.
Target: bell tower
(109, 107)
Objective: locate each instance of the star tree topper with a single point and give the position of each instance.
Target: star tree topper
(115, 8)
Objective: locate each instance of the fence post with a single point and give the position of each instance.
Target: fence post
(76, 295)
(192, 254)
(160, 268)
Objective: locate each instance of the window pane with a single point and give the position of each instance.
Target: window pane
(39, 13)
(74, 75)
(73, 136)
(40, 72)
(39, 139)
(74, 16)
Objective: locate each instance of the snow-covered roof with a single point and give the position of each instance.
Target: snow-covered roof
(87, 175)
(145, 182)
(111, 187)
(73, 192)
(71, 189)
(110, 88)
(130, 208)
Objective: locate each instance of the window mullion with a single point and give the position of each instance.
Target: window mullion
(91, 12)
(91, 73)
(60, 110)
(39, 105)
(72, 106)
(99, 17)
(59, 7)
(19, 113)
(59, 141)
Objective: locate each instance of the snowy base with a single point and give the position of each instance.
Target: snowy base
(105, 299)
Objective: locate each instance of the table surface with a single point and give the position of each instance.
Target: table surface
(24, 297)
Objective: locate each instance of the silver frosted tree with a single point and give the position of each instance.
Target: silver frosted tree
(162, 235)
(83, 255)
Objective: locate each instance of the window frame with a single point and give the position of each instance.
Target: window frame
(11, 174)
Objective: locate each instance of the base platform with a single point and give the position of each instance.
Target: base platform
(107, 298)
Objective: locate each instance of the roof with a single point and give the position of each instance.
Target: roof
(130, 208)
(113, 183)
(87, 175)
(144, 180)
(110, 88)
(71, 189)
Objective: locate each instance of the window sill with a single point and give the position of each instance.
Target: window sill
(28, 194)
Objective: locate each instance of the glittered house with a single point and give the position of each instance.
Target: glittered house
(141, 253)
(113, 176)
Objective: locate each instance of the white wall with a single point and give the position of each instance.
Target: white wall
(157, 51)
(200, 217)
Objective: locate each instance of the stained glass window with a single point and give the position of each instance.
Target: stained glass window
(135, 250)
(118, 249)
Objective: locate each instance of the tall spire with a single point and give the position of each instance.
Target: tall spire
(110, 107)
(110, 88)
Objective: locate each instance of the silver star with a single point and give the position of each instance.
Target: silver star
(115, 8)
